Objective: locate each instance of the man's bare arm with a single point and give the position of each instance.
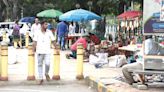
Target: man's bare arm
(34, 46)
(54, 43)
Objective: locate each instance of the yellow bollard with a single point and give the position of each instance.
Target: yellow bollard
(70, 43)
(4, 37)
(4, 62)
(0, 61)
(27, 39)
(15, 44)
(31, 63)
(80, 57)
(56, 63)
(100, 87)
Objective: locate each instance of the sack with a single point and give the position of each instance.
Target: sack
(117, 61)
(99, 58)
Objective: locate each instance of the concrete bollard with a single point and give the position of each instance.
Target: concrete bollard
(15, 44)
(70, 42)
(27, 40)
(80, 58)
(4, 62)
(4, 37)
(56, 63)
(31, 63)
(100, 87)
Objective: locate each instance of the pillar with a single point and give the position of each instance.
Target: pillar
(27, 40)
(80, 58)
(4, 37)
(4, 62)
(0, 61)
(31, 63)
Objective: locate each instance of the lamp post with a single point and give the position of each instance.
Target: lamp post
(22, 12)
(90, 5)
(132, 5)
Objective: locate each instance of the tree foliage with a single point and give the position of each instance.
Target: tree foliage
(12, 8)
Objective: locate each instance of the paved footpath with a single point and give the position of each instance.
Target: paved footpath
(18, 75)
(101, 79)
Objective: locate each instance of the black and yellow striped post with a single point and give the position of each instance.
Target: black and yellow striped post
(56, 73)
(80, 58)
(27, 39)
(31, 63)
(4, 62)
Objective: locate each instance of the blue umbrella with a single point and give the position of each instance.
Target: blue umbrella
(79, 15)
(27, 19)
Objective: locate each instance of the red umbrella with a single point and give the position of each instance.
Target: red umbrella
(130, 14)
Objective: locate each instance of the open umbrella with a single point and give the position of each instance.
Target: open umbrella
(27, 19)
(51, 13)
(79, 15)
(130, 14)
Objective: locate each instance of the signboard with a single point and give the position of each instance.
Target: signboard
(153, 17)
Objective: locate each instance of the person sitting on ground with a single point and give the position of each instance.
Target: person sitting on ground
(82, 40)
(94, 39)
(151, 48)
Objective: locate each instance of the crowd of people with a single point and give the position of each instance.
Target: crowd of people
(42, 37)
(42, 34)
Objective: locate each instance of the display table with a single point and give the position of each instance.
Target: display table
(129, 50)
(77, 34)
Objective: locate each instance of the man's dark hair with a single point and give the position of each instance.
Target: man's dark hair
(16, 21)
(90, 33)
(42, 22)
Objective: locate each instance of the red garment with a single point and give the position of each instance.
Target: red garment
(162, 43)
(80, 40)
(95, 39)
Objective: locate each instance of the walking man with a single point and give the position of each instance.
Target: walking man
(35, 27)
(62, 31)
(42, 46)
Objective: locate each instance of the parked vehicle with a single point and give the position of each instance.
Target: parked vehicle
(7, 27)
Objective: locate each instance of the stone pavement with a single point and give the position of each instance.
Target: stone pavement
(100, 79)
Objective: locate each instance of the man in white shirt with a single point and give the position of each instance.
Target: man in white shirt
(151, 48)
(42, 46)
(35, 27)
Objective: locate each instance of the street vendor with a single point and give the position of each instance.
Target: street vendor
(94, 39)
(82, 40)
(151, 48)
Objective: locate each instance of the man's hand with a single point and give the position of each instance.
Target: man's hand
(54, 44)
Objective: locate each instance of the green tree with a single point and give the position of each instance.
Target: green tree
(12, 8)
